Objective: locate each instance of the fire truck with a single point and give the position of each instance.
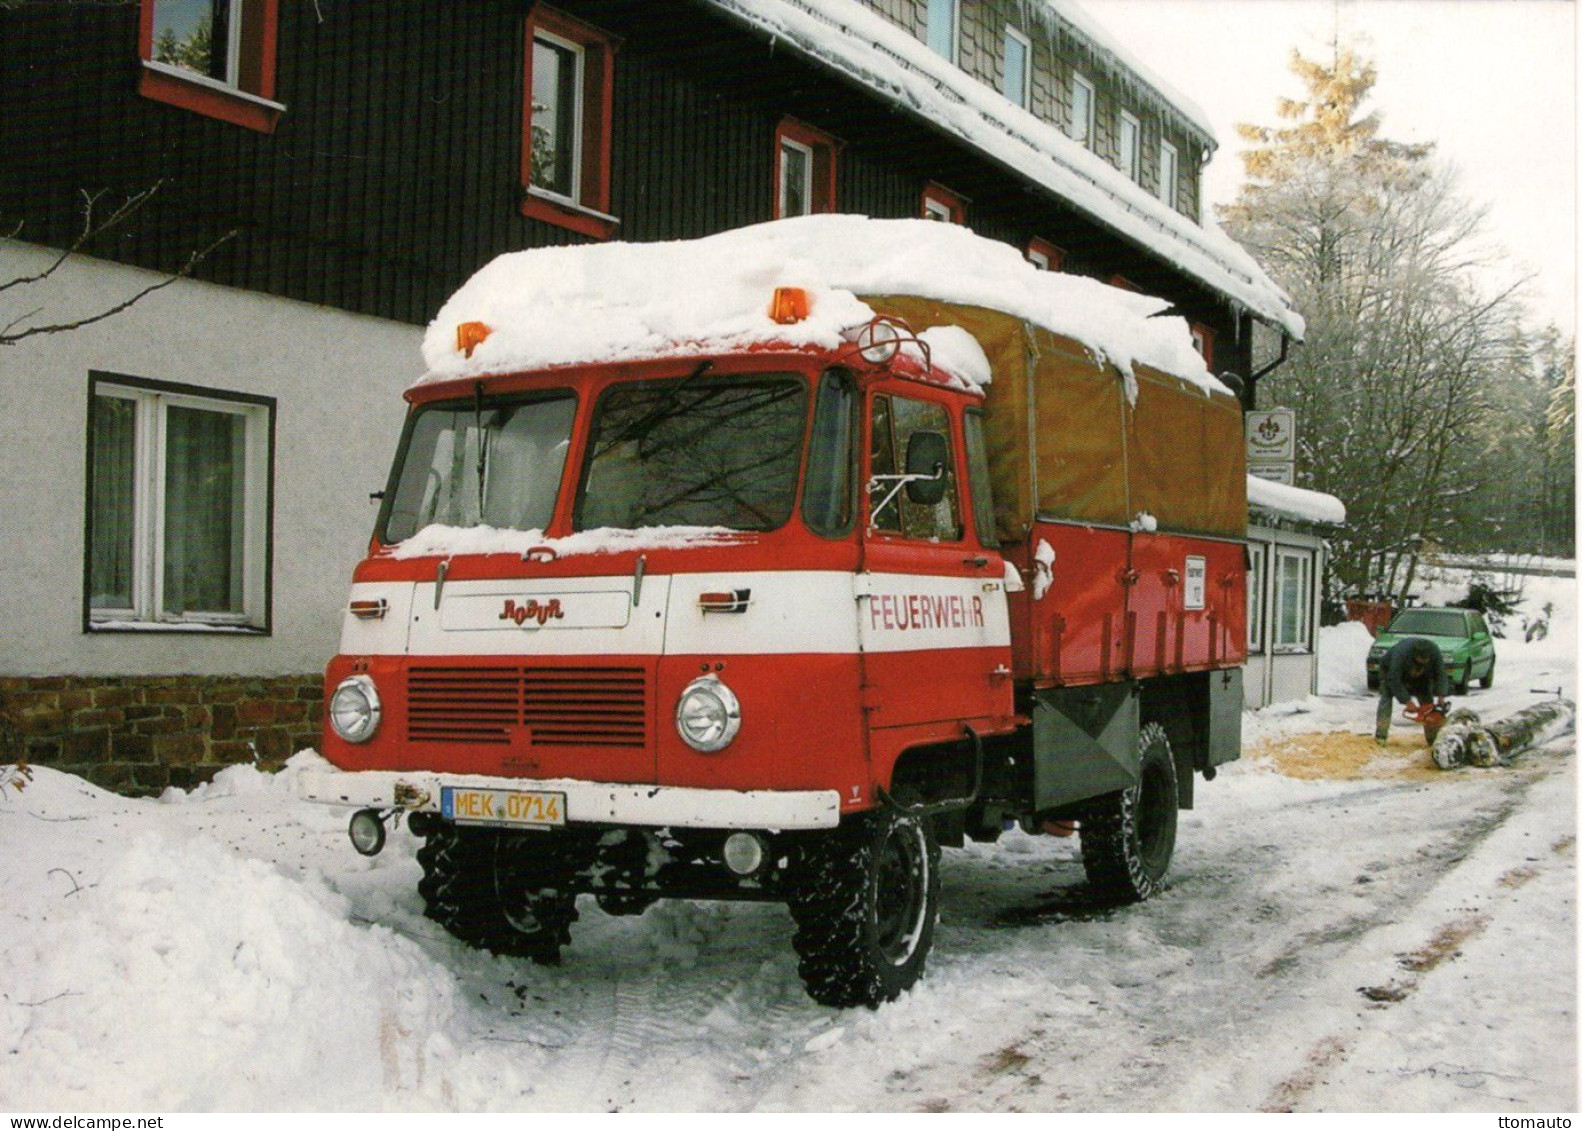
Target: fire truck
(775, 614)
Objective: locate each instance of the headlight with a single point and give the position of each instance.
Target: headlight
(708, 715)
(354, 709)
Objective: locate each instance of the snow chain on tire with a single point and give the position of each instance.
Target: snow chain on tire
(865, 904)
(1128, 837)
(507, 893)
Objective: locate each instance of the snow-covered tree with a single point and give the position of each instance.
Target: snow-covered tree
(1405, 345)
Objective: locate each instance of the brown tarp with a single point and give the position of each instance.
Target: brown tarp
(1065, 444)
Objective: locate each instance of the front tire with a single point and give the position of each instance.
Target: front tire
(1488, 681)
(1129, 837)
(865, 905)
(507, 893)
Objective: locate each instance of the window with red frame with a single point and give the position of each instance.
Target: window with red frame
(213, 57)
(569, 80)
(1044, 255)
(939, 203)
(1124, 283)
(1203, 342)
(804, 170)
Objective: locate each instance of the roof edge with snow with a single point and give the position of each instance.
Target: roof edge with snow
(1286, 501)
(853, 41)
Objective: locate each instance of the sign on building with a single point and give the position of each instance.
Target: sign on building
(1273, 472)
(1271, 444)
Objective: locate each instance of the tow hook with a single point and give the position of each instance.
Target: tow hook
(367, 830)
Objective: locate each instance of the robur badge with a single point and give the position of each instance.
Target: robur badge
(532, 611)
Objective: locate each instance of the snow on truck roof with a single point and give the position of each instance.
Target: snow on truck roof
(614, 302)
(860, 44)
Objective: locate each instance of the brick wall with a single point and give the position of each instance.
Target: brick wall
(139, 734)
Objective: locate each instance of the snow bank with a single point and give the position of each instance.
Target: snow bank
(1294, 502)
(618, 301)
(851, 40)
(1342, 658)
(182, 977)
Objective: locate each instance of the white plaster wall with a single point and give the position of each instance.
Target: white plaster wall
(337, 379)
(1291, 676)
(1254, 692)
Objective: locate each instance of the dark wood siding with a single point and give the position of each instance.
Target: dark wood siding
(395, 171)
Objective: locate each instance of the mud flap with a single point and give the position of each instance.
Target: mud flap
(1224, 716)
(1084, 743)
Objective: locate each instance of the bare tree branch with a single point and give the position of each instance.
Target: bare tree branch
(17, 329)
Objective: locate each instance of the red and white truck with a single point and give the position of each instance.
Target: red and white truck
(758, 567)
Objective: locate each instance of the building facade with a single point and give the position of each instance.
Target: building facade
(189, 478)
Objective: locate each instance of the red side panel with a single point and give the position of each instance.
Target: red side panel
(1076, 632)
(1121, 605)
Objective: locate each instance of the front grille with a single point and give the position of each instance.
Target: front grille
(580, 706)
(546, 706)
(463, 704)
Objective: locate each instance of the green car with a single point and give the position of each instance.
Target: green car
(1463, 638)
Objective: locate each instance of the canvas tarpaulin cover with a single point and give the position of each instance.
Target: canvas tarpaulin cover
(1065, 443)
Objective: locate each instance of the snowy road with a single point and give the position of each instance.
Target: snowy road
(1372, 936)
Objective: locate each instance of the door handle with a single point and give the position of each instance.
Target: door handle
(975, 563)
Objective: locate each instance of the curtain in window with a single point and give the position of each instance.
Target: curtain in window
(205, 478)
(111, 515)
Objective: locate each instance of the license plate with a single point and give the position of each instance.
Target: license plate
(502, 807)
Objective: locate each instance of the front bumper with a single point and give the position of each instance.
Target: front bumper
(594, 803)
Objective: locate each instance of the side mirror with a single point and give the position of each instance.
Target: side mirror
(927, 454)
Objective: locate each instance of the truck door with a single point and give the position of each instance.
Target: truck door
(931, 607)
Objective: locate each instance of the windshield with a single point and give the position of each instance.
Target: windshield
(1429, 622)
(695, 452)
(495, 462)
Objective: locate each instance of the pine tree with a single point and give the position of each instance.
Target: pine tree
(1395, 380)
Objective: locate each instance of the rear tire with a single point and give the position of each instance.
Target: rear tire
(865, 904)
(1488, 681)
(1129, 837)
(507, 893)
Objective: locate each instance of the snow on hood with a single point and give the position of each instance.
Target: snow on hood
(623, 301)
(1294, 502)
(439, 540)
(851, 40)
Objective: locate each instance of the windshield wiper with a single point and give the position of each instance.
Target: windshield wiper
(657, 415)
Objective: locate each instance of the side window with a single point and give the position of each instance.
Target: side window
(978, 480)
(895, 419)
(832, 451)
(882, 454)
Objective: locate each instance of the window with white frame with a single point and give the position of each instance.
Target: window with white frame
(557, 115)
(804, 169)
(568, 81)
(1255, 572)
(213, 57)
(796, 178)
(1169, 172)
(179, 504)
(939, 203)
(1080, 127)
(201, 36)
(1017, 84)
(1131, 146)
(943, 17)
(1293, 600)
